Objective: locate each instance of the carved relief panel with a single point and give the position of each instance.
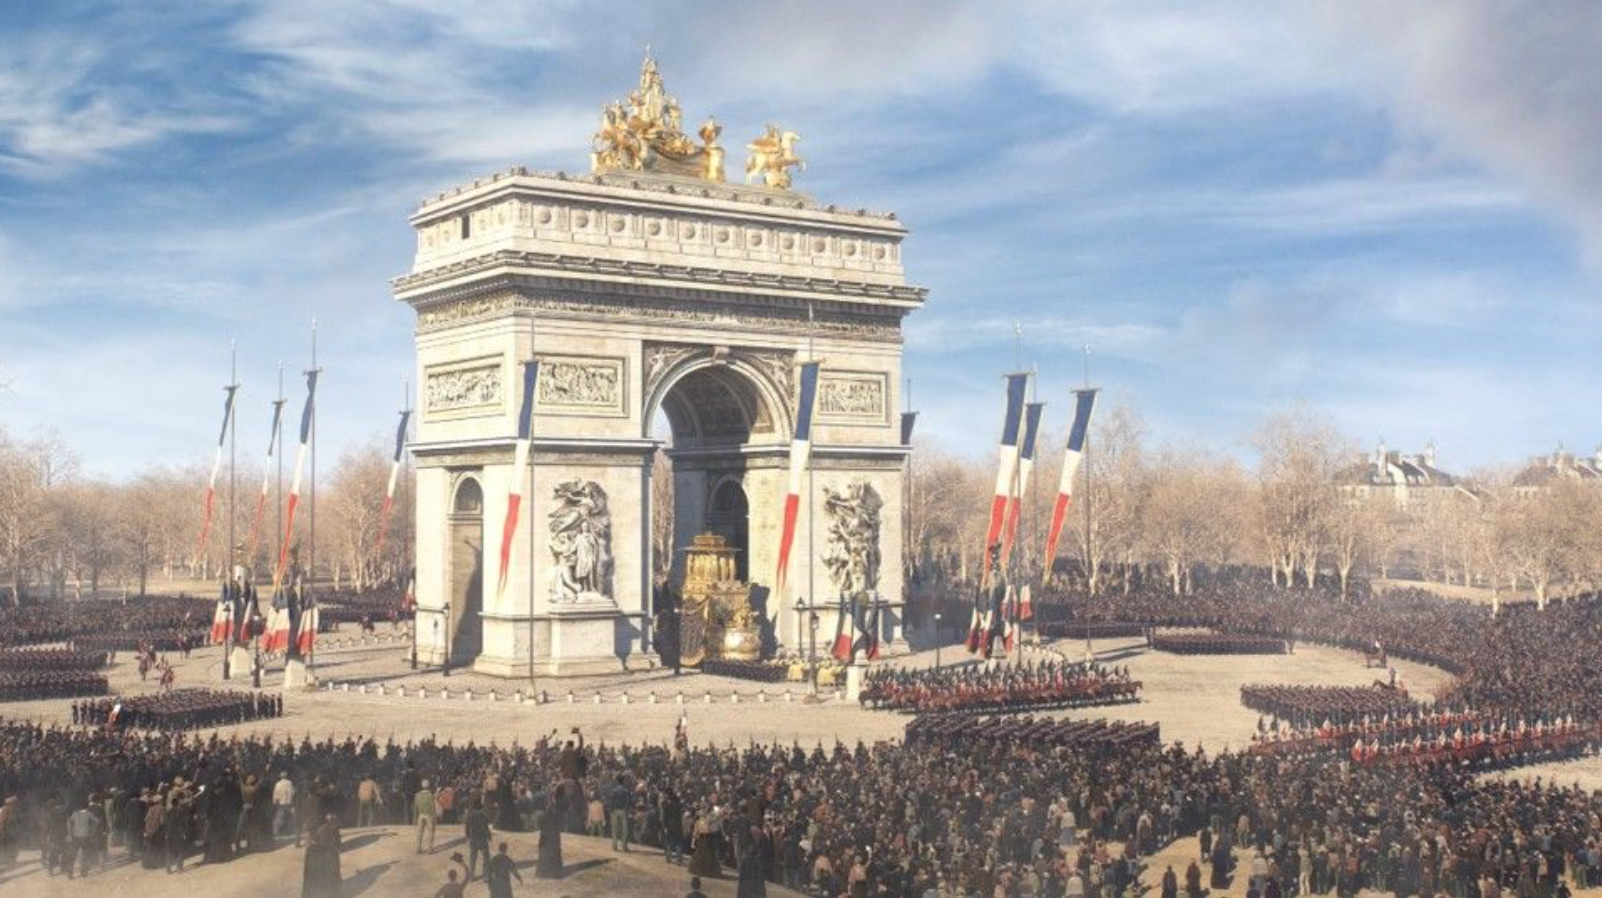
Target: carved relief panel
(853, 397)
(582, 385)
(465, 389)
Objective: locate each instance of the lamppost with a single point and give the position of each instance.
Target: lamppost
(436, 632)
(228, 638)
(940, 637)
(812, 649)
(447, 615)
(800, 621)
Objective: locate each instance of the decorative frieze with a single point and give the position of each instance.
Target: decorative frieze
(464, 388)
(582, 385)
(857, 397)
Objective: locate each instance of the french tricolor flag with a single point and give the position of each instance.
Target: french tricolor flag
(216, 465)
(800, 458)
(266, 480)
(1007, 465)
(394, 476)
(1026, 464)
(514, 499)
(1084, 405)
(307, 412)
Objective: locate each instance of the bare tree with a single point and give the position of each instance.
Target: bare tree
(354, 499)
(31, 474)
(90, 526)
(1298, 457)
(1116, 468)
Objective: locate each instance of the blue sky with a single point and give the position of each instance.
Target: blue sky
(1391, 217)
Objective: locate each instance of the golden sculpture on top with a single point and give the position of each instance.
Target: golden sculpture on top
(772, 157)
(643, 133)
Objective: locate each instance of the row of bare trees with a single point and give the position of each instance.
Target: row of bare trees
(1179, 515)
(63, 533)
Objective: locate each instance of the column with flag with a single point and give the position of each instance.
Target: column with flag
(1006, 467)
(394, 477)
(1026, 465)
(845, 630)
(266, 480)
(278, 637)
(1084, 405)
(216, 466)
(514, 498)
(800, 458)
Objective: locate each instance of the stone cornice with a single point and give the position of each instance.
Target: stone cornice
(414, 288)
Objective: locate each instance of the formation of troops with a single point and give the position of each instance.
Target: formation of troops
(1434, 738)
(1307, 706)
(51, 659)
(107, 625)
(184, 709)
(959, 731)
(34, 685)
(1217, 644)
(1048, 683)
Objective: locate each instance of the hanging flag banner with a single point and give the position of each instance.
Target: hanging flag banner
(908, 419)
(514, 498)
(1006, 467)
(293, 502)
(1084, 405)
(216, 465)
(266, 479)
(1026, 464)
(800, 459)
(845, 630)
(394, 476)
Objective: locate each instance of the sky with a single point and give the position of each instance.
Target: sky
(1389, 214)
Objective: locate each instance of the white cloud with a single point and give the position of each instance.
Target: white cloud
(1514, 86)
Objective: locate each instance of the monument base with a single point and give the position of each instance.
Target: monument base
(854, 676)
(295, 674)
(240, 663)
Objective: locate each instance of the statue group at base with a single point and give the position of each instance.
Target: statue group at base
(716, 619)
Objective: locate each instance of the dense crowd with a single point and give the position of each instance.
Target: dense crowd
(970, 688)
(34, 685)
(1312, 705)
(1217, 644)
(37, 622)
(51, 659)
(966, 806)
(184, 709)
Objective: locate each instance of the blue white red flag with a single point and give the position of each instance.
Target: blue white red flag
(394, 475)
(307, 412)
(1026, 465)
(261, 498)
(514, 499)
(1084, 405)
(800, 459)
(216, 465)
(1006, 467)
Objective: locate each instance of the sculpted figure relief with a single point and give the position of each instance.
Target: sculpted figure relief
(463, 388)
(581, 543)
(853, 543)
(644, 133)
(580, 385)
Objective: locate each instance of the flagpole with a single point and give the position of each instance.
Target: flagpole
(408, 570)
(1090, 535)
(812, 528)
(311, 568)
(531, 596)
(228, 572)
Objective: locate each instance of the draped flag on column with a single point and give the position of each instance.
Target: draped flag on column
(800, 458)
(306, 633)
(293, 502)
(1007, 464)
(1084, 404)
(908, 419)
(394, 475)
(216, 465)
(514, 499)
(867, 642)
(1026, 464)
(266, 479)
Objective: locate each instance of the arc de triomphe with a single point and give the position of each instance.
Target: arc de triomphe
(639, 290)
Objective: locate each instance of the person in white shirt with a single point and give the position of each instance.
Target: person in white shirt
(283, 806)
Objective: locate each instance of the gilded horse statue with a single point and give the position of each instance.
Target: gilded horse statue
(772, 157)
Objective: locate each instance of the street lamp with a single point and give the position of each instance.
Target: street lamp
(447, 615)
(812, 649)
(940, 637)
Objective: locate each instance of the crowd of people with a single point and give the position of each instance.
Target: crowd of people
(1032, 685)
(183, 709)
(1217, 644)
(103, 624)
(943, 730)
(51, 659)
(35, 685)
(1308, 706)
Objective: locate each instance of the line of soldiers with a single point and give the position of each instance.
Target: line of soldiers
(177, 640)
(1475, 739)
(51, 659)
(47, 622)
(1002, 688)
(1217, 644)
(1309, 705)
(964, 732)
(185, 709)
(30, 685)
